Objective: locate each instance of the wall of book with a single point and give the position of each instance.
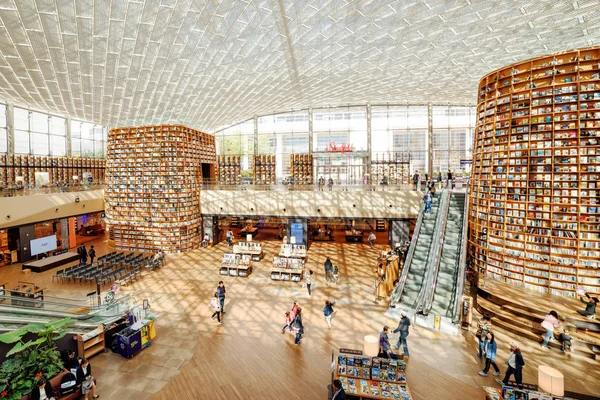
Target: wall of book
(153, 178)
(60, 169)
(229, 170)
(391, 168)
(264, 170)
(533, 212)
(372, 377)
(301, 168)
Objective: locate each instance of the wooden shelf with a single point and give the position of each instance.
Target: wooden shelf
(264, 170)
(301, 169)
(534, 203)
(391, 168)
(91, 343)
(153, 183)
(229, 170)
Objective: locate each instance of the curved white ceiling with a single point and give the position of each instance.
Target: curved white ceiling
(205, 63)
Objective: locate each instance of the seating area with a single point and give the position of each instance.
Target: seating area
(523, 315)
(116, 267)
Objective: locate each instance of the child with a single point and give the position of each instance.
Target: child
(288, 322)
(216, 304)
(565, 339)
(328, 312)
(335, 274)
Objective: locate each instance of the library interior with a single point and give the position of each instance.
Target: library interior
(266, 199)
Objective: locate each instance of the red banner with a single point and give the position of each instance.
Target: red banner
(342, 148)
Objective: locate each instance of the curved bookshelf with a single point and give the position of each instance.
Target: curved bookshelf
(533, 211)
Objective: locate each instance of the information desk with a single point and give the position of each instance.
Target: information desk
(51, 262)
(27, 295)
(354, 237)
(391, 270)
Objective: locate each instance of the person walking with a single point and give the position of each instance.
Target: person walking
(330, 184)
(484, 325)
(229, 237)
(415, 180)
(328, 270)
(294, 311)
(288, 321)
(216, 305)
(515, 365)
(403, 325)
(221, 294)
(92, 254)
(338, 391)
(384, 343)
(372, 239)
(450, 182)
(427, 199)
(490, 355)
(335, 274)
(549, 323)
(84, 254)
(321, 183)
(328, 312)
(308, 280)
(298, 326)
(590, 306)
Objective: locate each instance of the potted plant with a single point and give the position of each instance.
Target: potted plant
(29, 360)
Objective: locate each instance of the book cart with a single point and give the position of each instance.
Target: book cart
(289, 264)
(253, 249)
(236, 265)
(365, 377)
(534, 206)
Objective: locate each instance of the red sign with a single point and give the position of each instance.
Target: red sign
(342, 148)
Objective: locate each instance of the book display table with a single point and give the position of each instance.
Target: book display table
(365, 377)
(357, 236)
(289, 265)
(253, 249)
(236, 265)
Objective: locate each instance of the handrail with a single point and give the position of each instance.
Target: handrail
(397, 293)
(430, 280)
(460, 283)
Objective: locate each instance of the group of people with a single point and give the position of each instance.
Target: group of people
(82, 371)
(429, 182)
(385, 349)
(293, 322)
(331, 272)
(321, 183)
(84, 254)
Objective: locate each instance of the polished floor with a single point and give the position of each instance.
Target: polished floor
(248, 358)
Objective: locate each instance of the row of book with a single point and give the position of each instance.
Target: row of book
(367, 387)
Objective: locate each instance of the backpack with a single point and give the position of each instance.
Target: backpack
(68, 384)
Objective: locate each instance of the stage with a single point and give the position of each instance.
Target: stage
(51, 262)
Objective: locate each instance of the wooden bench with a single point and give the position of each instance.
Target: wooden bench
(55, 382)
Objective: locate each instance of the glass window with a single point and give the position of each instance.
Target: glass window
(87, 148)
(58, 145)
(39, 122)
(75, 129)
(98, 130)
(75, 147)
(40, 144)
(21, 117)
(87, 130)
(58, 126)
(21, 142)
(3, 116)
(3, 141)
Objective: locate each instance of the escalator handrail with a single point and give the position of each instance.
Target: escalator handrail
(42, 302)
(397, 293)
(460, 282)
(427, 289)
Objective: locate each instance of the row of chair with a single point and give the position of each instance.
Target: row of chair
(110, 267)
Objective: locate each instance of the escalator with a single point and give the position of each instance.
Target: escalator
(409, 289)
(445, 292)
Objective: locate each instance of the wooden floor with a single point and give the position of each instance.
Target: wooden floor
(248, 358)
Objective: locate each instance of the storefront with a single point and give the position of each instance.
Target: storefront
(346, 168)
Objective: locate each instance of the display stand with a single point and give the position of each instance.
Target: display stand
(253, 249)
(365, 377)
(289, 265)
(391, 169)
(301, 169)
(91, 343)
(264, 170)
(236, 265)
(391, 270)
(228, 170)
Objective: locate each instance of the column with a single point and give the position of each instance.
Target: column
(310, 131)
(68, 139)
(429, 139)
(10, 128)
(255, 135)
(369, 147)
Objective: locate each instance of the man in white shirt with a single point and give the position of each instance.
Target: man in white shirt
(338, 391)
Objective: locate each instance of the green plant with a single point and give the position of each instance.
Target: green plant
(32, 359)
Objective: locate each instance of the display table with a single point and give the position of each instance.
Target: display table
(248, 231)
(51, 262)
(236, 265)
(357, 236)
(236, 270)
(253, 249)
(27, 295)
(365, 377)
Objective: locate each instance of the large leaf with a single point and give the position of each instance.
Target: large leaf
(35, 327)
(19, 347)
(13, 336)
(56, 325)
(60, 334)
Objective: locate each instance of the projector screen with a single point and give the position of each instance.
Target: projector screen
(43, 245)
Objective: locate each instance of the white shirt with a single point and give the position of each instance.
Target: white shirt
(43, 393)
(512, 360)
(307, 277)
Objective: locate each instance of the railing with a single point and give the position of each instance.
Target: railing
(430, 280)
(309, 188)
(460, 282)
(23, 191)
(397, 293)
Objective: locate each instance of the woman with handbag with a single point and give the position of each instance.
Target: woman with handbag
(298, 326)
(84, 376)
(216, 305)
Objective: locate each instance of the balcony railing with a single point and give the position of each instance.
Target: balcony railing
(11, 191)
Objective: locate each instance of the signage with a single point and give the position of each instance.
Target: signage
(43, 245)
(339, 148)
(466, 162)
(297, 231)
(351, 351)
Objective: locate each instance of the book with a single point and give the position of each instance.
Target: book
(364, 387)
(374, 386)
(521, 394)
(508, 393)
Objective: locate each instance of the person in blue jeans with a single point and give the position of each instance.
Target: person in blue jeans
(403, 329)
(427, 199)
(221, 293)
(515, 364)
(298, 326)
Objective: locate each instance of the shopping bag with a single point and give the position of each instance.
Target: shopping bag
(213, 303)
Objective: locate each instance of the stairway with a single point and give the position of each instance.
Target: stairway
(445, 290)
(419, 263)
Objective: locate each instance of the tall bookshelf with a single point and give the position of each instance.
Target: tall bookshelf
(153, 178)
(264, 170)
(301, 168)
(395, 167)
(229, 170)
(60, 169)
(533, 212)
